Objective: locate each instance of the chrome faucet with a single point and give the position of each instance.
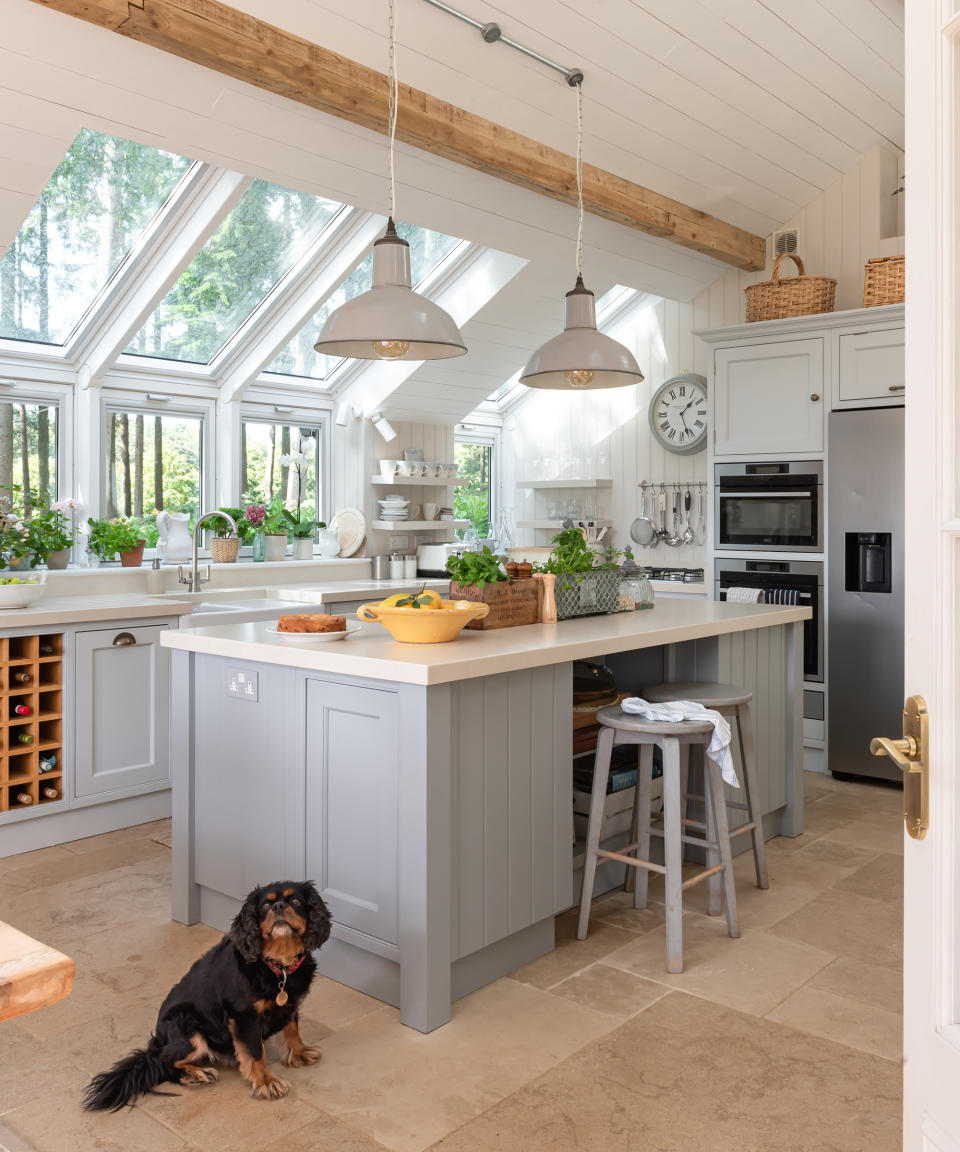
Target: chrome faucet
(194, 580)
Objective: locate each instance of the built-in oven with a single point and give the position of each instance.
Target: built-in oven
(772, 505)
(804, 576)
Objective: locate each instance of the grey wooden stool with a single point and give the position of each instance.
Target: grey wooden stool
(619, 727)
(732, 702)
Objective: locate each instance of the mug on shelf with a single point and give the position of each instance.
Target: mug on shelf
(429, 511)
(406, 468)
(388, 469)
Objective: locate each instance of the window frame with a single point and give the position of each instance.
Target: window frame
(278, 412)
(486, 436)
(52, 396)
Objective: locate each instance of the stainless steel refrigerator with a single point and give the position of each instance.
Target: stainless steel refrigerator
(865, 482)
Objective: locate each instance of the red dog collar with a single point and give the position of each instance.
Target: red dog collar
(280, 970)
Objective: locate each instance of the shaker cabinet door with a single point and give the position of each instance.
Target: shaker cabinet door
(872, 368)
(122, 704)
(768, 399)
(352, 793)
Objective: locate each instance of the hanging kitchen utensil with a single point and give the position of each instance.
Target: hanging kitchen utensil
(662, 534)
(688, 534)
(673, 538)
(700, 535)
(642, 530)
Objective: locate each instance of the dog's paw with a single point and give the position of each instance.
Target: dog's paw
(197, 1075)
(273, 1088)
(306, 1055)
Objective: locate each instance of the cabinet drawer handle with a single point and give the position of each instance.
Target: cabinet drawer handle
(814, 396)
(897, 388)
(124, 639)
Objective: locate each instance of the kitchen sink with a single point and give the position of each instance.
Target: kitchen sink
(241, 611)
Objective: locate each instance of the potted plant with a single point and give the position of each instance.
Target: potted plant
(51, 531)
(302, 531)
(276, 526)
(108, 537)
(225, 545)
(586, 585)
(480, 576)
(253, 518)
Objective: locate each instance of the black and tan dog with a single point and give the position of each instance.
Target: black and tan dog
(245, 989)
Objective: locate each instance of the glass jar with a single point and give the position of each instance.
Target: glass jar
(258, 548)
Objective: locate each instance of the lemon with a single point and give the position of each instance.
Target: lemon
(393, 601)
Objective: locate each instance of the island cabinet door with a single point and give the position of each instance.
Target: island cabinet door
(122, 705)
(352, 778)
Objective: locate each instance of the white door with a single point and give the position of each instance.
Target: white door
(768, 399)
(932, 865)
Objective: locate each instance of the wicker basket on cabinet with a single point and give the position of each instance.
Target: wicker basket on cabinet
(799, 295)
(884, 281)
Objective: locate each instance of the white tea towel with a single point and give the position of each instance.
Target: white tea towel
(673, 711)
(744, 595)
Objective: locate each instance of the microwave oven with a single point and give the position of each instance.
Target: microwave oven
(769, 506)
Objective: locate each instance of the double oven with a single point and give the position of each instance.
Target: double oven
(770, 508)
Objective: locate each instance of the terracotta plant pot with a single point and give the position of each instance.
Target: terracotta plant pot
(224, 550)
(303, 548)
(59, 559)
(133, 557)
(275, 547)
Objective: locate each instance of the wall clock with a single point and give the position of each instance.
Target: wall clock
(678, 414)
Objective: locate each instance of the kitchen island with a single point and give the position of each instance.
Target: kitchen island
(427, 789)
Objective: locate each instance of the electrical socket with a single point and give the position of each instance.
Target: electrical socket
(242, 685)
(399, 542)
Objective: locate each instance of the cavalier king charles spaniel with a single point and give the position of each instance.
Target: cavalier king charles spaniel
(245, 989)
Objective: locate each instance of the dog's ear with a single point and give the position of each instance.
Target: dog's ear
(318, 920)
(245, 929)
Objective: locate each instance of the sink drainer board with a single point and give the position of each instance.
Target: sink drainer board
(40, 657)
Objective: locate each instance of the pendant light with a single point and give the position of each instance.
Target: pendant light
(580, 358)
(390, 321)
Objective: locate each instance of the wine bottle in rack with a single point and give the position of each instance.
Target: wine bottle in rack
(46, 648)
(50, 793)
(22, 677)
(48, 763)
(24, 798)
(22, 710)
(24, 738)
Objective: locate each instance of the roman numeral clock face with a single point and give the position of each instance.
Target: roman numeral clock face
(678, 414)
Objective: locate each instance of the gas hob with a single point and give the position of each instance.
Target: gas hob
(674, 575)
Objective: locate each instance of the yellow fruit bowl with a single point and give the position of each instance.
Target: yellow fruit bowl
(442, 620)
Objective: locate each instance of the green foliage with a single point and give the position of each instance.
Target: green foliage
(417, 600)
(476, 568)
(49, 531)
(472, 500)
(221, 526)
(571, 553)
(277, 520)
(108, 537)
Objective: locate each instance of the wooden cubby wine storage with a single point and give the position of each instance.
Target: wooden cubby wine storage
(39, 658)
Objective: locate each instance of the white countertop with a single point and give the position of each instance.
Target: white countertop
(58, 611)
(373, 653)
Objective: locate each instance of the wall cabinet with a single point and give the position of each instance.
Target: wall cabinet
(768, 399)
(871, 369)
(122, 705)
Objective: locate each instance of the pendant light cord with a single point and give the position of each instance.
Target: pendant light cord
(579, 178)
(392, 105)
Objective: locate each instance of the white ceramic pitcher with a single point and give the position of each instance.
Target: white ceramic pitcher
(176, 543)
(329, 541)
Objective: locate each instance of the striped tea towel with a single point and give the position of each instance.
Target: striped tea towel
(744, 595)
(673, 711)
(782, 596)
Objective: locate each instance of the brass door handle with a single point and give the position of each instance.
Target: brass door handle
(911, 754)
(124, 640)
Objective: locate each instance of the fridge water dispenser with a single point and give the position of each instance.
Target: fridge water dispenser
(869, 561)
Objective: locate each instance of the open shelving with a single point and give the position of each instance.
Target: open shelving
(31, 676)
(558, 524)
(419, 525)
(416, 481)
(564, 483)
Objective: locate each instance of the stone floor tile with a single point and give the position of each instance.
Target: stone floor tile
(156, 830)
(848, 924)
(89, 1001)
(325, 1134)
(570, 954)
(881, 832)
(617, 909)
(42, 874)
(613, 991)
(30, 1068)
(33, 859)
(407, 1089)
(851, 1022)
(335, 1005)
(868, 794)
(752, 973)
(816, 785)
(871, 983)
(823, 854)
(98, 1044)
(58, 1123)
(752, 1086)
(880, 879)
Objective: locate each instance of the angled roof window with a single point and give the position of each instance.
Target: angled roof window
(102, 196)
(257, 244)
(427, 251)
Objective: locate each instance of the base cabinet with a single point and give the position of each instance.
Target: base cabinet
(122, 703)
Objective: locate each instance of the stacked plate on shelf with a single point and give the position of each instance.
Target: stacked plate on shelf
(394, 508)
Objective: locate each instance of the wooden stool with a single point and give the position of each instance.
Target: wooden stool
(733, 703)
(619, 727)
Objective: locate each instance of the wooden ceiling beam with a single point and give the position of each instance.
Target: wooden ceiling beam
(216, 36)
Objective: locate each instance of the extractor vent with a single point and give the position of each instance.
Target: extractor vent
(785, 241)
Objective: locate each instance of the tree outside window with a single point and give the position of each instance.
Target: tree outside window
(473, 500)
(266, 477)
(154, 464)
(28, 449)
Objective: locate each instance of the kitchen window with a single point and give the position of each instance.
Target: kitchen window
(266, 471)
(154, 462)
(476, 457)
(29, 434)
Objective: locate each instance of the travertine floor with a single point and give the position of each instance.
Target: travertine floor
(787, 1038)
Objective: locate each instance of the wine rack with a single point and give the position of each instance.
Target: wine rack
(31, 721)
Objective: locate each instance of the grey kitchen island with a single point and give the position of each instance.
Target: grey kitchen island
(427, 789)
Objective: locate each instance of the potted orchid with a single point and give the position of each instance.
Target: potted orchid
(302, 531)
(51, 530)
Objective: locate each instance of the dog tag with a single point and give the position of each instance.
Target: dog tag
(282, 997)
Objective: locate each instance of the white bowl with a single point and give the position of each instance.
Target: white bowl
(21, 595)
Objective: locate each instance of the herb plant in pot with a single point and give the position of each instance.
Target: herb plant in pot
(119, 535)
(225, 545)
(585, 586)
(276, 528)
(479, 576)
(51, 534)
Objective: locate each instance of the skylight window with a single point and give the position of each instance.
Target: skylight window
(427, 250)
(98, 202)
(248, 255)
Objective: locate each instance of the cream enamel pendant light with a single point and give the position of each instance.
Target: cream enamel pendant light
(580, 358)
(390, 321)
